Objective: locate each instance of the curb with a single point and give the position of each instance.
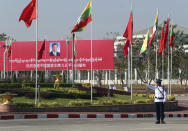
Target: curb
(179, 94)
(84, 116)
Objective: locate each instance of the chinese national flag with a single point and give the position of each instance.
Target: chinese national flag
(42, 49)
(29, 13)
(128, 34)
(161, 47)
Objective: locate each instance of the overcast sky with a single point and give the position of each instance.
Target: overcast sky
(57, 17)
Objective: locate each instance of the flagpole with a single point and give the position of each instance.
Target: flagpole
(4, 64)
(171, 74)
(73, 35)
(45, 60)
(7, 60)
(156, 56)
(36, 86)
(171, 66)
(75, 56)
(129, 70)
(11, 60)
(148, 70)
(156, 69)
(131, 62)
(67, 42)
(91, 62)
(168, 63)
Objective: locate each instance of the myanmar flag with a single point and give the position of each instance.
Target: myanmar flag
(154, 28)
(171, 37)
(84, 19)
(145, 44)
(10, 47)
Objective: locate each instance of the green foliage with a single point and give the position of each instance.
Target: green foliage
(79, 103)
(171, 98)
(139, 101)
(3, 37)
(56, 85)
(50, 104)
(64, 79)
(86, 85)
(23, 84)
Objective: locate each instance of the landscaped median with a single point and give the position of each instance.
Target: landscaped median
(68, 98)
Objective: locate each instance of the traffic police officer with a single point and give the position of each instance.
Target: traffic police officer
(160, 99)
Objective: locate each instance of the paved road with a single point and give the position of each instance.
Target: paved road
(93, 125)
(182, 99)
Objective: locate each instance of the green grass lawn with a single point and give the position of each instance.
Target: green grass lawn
(23, 101)
(69, 96)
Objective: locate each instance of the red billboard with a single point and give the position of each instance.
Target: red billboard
(24, 55)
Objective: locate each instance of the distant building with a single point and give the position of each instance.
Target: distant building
(120, 40)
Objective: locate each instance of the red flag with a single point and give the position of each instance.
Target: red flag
(29, 13)
(161, 43)
(166, 32)
(128, 34)
(129, 30)
(42, 49)
(151, 39)
(164, 37)
(126, 48)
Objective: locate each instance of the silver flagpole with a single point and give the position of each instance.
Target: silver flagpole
(171, 67)
(36, 86)
(131, 63)
(91, 62)
(171, 75)
(5, 59)
(163, 66)
(11, 59)
(75, 48)
(168, 64)
(45, 59)
(156, 69)
(73, 58)
(131, 72)
(4, 64)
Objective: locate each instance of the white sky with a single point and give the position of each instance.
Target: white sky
(57, 17)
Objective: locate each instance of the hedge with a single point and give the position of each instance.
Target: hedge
(49, 85)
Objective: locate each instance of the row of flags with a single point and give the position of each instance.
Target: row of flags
(164, 36)
(30, 13)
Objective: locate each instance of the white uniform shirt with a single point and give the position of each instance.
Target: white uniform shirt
(158, 94)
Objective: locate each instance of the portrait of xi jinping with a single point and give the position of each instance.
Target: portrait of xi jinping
(54, 49)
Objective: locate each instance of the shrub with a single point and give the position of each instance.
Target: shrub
(151, 96)
(28, 104)
(106, 102)
(50, 104)
(86, 85)
(79, 103)
(149, 101)
(139, 101)
(120, 102)
(171, 98)
(141, 95)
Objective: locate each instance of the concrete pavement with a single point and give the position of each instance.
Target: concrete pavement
(94, 125)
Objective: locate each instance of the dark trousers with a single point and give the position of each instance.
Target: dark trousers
(159, 110)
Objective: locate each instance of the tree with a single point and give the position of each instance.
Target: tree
(3, 37)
